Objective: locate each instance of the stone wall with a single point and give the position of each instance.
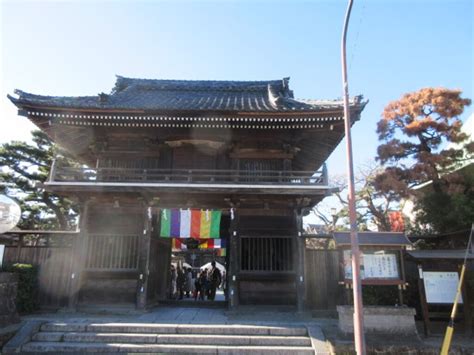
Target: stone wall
(379, 319)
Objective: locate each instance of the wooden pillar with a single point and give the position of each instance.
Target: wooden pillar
(400, 294)
(234, 256)
(401, 287)
(160, 262)
(348, 293)
(18, 248)
(299, 256)
(423, 302)
(144, 260)
(79, 247)
(165, 279)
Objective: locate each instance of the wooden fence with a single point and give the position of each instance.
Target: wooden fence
(112, 252)
(322, 271)
(55, 269)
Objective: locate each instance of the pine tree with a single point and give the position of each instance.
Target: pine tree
(415, 132)
(25, 167)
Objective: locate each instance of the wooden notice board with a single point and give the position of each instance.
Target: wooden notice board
(438, 277)
(441, 286)
(375, 265)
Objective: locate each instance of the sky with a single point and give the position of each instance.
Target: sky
(394, 47)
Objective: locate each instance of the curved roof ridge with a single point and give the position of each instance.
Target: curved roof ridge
(191, 95)
(276, 81)
(123, 83)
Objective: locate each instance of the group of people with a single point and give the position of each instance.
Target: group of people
(202, 285)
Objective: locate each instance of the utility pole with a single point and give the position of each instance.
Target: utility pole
(359, 337)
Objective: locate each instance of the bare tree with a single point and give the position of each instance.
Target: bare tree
(372, 206)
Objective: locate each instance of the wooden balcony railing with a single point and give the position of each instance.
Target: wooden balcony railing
(191, 176)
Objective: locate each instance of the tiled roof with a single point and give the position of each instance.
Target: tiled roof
(183, 95)
(373, 238)
(441, 254)
(316, 229)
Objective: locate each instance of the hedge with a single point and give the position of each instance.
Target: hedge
(28, 289)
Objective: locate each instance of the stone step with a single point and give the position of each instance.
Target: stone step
(144, 328)
(48, 336)
(200, 339)
(252, 340)
(58, 347)
(63, 327)
(84, 337)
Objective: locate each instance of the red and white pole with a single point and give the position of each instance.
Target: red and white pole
(359, 337)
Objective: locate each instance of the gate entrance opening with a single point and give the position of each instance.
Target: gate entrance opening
(198, 268)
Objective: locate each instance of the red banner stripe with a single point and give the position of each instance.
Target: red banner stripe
(195, 223)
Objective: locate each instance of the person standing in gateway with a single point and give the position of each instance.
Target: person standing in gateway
(215, 280)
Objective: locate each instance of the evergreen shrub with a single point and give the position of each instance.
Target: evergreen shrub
(28, 288)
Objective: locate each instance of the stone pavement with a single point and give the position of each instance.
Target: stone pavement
(189, 315)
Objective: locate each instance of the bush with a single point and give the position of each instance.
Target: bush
(380, 295)
(28, 290)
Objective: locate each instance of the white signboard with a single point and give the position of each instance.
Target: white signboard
(440, 287)
(382, 266)
(373, 266)
(2, 252)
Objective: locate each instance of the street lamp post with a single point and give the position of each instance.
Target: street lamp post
(359, 338)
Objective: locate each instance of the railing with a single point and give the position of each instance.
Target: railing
(112, 252)
(191, 176)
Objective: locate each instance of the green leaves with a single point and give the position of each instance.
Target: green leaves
(28, 289)
(449, 210)
(26, 167)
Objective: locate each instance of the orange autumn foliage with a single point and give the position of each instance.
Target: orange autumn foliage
(397, 223)
(413, 130)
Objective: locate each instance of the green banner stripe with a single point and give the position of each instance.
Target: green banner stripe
(215, 224)
(165, 223)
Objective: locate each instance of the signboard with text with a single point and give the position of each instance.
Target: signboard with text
(440, 287)
(373, 266)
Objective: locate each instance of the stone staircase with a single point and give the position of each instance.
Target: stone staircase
(168, 338)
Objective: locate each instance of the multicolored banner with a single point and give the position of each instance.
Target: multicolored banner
(212, 244)
(221, 252)
(190, 223)
(178, 244)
